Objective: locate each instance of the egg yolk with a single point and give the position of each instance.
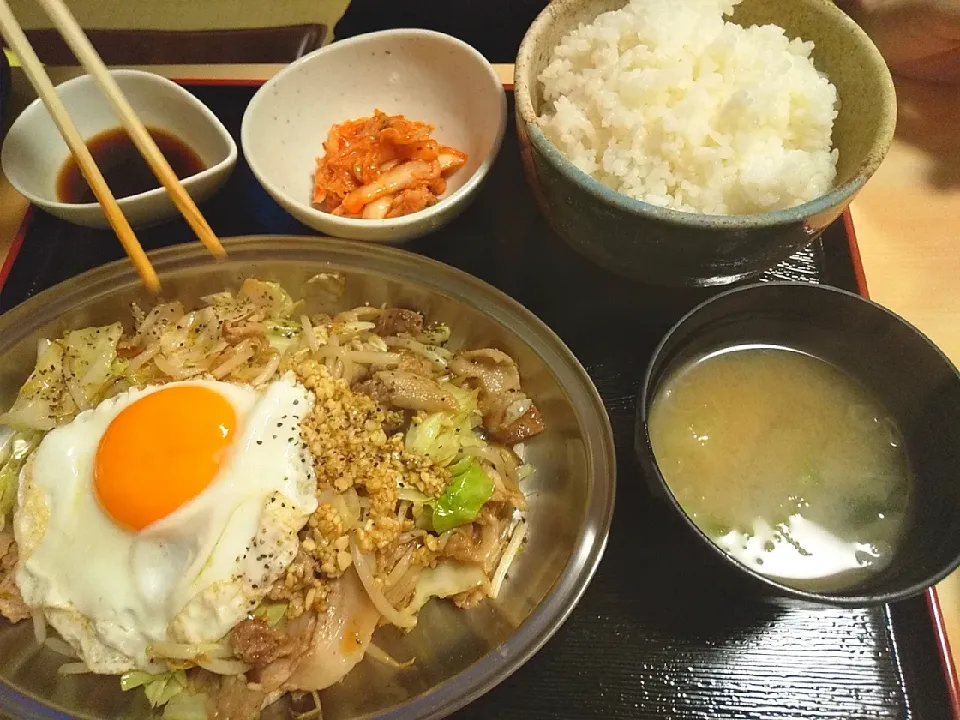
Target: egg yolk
(160, 452)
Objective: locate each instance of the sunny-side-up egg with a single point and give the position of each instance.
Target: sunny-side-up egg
(163, 515)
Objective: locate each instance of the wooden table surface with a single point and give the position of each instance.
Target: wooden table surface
(907, 220)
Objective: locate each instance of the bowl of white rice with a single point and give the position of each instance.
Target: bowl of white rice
(698, 142)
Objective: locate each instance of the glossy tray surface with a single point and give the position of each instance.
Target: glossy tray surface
(657, 635)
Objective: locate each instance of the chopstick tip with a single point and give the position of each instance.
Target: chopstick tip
(151, 281)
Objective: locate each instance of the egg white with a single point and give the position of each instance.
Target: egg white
(187, 578)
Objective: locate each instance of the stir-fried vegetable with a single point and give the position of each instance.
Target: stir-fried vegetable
(159, 689)
(89, 361)
(137, 678)
(435, 334)
(271, 612)
(446, 580)
(186, 706)
(21, 445)
(268, 295)
(41, 401)
(70, 375)
(442, 435)
(268, 298)
(283, 334)
(467, 492)
(432, 436)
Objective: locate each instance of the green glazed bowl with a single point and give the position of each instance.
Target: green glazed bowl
(668, 247)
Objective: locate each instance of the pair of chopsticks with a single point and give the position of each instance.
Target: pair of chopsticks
(74, 36)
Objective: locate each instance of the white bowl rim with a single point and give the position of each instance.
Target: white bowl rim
(228, 161)
(405, 220)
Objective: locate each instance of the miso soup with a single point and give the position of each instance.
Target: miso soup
(785, 462)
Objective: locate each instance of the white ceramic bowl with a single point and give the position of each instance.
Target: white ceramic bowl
(34, 153)
(424, 75)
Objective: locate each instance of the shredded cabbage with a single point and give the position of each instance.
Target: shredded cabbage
(186, 706)
(267, 295)
(7, 435)
(41, 399)
(21, 446)
(441, 436)
(447, 579)
(467, 399)
(90, 355)
(328, 286)
(432, 436)
(468, 491)
(70, 375)
(136, 678)
(283, 334)
(119, 367)
(224, 297)
(271, 613)
(412, 495)
(434, 334)
(159, 689)
(160, 692)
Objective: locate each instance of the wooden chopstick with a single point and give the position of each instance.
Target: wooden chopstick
(48, 95)
(91, 62)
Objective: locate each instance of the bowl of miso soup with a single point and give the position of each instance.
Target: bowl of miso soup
(811, 440)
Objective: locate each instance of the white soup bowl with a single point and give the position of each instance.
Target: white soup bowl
(423, 75)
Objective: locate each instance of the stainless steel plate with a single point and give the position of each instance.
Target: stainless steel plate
(460, 654)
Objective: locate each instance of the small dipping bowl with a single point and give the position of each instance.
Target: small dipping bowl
(34, 153)
(901, 367)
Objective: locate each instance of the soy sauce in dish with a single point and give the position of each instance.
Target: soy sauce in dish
(125, 171)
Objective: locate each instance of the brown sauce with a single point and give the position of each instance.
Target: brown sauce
(125, 171)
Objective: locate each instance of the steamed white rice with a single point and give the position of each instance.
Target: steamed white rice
(667, 102)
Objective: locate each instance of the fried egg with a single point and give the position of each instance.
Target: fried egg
(163, 515)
